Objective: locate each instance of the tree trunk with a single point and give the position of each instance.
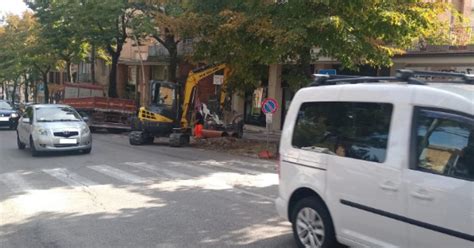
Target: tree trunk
(115, 54)
(93, 64)
(26, 90)
(46, 90)
(3, 90)
(173, 51)
(15, 85)
(69, 71)
(113, 77)
(35, 91)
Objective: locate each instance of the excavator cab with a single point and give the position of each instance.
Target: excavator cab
(164, 99)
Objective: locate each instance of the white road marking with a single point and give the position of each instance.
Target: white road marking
(243, 191)
(118, 174)
(228, 166)
(69, 178)
(15, 182)
(158, 170)
(172, 174)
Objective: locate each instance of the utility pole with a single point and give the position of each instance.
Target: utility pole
(142, 69)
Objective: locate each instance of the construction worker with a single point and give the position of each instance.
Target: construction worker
(198, 124)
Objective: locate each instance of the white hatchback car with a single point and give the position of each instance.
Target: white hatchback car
(53, 128)
(371, 163)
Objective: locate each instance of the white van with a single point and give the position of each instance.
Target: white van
(380, 162)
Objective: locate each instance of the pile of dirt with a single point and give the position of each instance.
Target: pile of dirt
(244, 147)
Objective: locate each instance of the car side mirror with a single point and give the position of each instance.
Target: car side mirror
(26, 120)
(85, 118)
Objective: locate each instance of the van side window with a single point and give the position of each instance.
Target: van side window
(444, 143)
(348, 129)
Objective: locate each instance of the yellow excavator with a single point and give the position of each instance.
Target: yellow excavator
(167, 116)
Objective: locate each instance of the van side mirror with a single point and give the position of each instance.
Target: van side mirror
(85, 118)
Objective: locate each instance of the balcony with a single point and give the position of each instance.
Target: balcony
(158, 52)
(461, 40)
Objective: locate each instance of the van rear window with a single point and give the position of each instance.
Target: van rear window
(348, 129)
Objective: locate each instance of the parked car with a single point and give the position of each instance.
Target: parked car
(369, 163)
(8, 115)
(52, 127)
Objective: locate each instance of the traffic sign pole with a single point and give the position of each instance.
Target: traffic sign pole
(269, 107)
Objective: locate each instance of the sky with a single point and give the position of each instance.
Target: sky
(12, 6)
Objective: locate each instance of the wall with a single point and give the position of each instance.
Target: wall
(130, 52)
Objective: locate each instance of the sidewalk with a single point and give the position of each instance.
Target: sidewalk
(262, 136)
(251, 145)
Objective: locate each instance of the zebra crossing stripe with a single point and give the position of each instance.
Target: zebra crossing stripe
(69, 178)
(118, 174)
(153, 169)
(15, 182)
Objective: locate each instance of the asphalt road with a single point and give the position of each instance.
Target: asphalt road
(124, 196)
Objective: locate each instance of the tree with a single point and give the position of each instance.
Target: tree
(107, 23)
(41, 60)
(24, 54)
(169, 22)
(60, 30)
(13, 43)
(249, 33)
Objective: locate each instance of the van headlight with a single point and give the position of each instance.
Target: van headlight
(14, 115)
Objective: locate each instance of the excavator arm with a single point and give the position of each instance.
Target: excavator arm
(192, 81)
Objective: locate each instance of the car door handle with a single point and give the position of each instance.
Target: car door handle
(389, 186)
(422, 195)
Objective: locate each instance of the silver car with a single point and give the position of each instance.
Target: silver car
(52, 127)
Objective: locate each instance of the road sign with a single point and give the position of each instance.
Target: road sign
(40, 91)
(218, 79)
(328, 72)
(269, 105)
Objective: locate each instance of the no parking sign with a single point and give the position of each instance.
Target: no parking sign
(269, 105)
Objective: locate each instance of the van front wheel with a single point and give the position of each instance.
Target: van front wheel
(312, 224)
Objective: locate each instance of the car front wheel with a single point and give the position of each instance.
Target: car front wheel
(34, 152)
(21, 146)
(312, 224)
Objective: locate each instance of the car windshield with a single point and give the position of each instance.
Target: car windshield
(5, 105)
(57, 114)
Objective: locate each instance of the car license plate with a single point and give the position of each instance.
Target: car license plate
(4, 118)
(67, 141)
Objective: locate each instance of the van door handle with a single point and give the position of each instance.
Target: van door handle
(422, 194)
(389, 186)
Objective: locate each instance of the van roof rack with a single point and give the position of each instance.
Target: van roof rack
(408, 76)
(324, 80)
(465, 78)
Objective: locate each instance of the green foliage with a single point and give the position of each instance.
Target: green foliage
(168, 22)
(248, 32)
(24, 54)
(13, 43)
(108, 24)
(60, 30)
